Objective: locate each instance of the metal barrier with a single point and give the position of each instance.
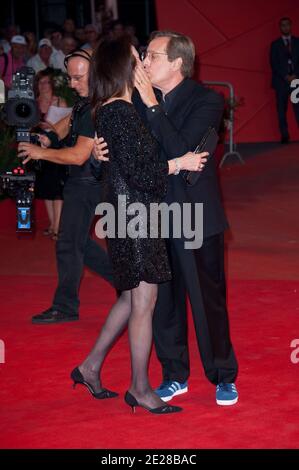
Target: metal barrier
(232, 145)
(2, 92)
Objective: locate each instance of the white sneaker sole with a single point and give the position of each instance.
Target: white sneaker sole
(227, 402)
(178, 392)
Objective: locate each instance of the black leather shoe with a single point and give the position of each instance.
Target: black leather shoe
(161, 410)
(285, 140)
(78, 378)
(53, 316)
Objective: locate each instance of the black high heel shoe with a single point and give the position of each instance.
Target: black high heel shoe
(78, 378)
(161, 410)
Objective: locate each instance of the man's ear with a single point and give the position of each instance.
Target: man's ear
(177, 64)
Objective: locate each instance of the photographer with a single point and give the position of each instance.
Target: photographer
(81, 194)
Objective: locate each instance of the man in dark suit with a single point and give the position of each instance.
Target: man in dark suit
(178, 119)
(284, 58)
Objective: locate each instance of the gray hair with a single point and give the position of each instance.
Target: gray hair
(181, 46)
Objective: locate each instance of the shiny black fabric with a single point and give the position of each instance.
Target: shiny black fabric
(134, 172)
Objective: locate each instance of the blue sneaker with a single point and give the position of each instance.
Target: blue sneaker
(226, 394)
(170, 389)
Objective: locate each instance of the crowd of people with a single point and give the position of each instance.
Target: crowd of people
(149, 116)
(47, 57)
(17, 49)
(49, 53)
(133, 129)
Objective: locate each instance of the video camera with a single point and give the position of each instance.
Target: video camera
(21, 111)
(20, 186)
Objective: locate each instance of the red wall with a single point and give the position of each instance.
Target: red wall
(232, 39)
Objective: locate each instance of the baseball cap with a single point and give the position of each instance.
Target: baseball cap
(18, 39)
(44, 42)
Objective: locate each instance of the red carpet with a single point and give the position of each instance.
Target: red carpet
(39, 409)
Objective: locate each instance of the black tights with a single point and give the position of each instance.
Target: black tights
(136, 307)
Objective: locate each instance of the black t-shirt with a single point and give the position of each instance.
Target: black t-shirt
(82, 125)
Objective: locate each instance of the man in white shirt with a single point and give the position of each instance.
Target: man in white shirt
(42, 59)
(91, 35)
(68, 45)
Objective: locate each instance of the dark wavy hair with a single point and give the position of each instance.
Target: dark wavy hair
(111, 70)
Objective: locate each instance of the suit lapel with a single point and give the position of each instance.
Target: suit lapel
(180, 99)
(182, 102)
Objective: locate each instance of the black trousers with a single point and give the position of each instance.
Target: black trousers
(200, 274)
(74, 247)
(282, 101)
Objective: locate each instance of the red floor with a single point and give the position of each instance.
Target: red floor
(39, 409)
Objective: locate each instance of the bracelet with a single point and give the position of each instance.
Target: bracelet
(177, 167)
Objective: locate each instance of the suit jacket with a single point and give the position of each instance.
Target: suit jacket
(279, 61)
(193, 109)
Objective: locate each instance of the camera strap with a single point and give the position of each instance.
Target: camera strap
(71, 139)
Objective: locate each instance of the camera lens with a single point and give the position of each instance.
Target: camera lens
(23, 110)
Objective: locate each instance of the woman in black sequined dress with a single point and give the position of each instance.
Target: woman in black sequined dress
(135, 173)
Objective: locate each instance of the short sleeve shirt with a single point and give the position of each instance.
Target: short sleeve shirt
(83, 125)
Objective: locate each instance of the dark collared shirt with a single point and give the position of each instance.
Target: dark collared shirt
(170, 97)
(164, 104)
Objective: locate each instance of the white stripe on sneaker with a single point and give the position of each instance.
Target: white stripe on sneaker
(227, 402)
(177, 392)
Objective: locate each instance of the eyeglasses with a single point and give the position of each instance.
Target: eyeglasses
(152, 55)
(76, 78)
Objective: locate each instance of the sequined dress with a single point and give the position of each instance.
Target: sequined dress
(133, 174)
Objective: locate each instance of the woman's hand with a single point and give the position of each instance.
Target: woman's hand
(29, 151)
(144, 86)
(135, 54)
(100, 149)
(142, 81)
(193, 161)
